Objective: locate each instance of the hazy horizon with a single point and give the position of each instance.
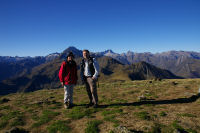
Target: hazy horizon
(101, 51)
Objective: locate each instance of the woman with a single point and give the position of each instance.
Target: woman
(68, 78)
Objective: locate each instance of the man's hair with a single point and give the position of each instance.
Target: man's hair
(85, 50)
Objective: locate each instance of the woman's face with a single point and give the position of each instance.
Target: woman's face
(69, 58)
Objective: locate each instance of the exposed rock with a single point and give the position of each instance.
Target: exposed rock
(121, 129)
(177, 131)
(174, 83)
(142, 98)
(188, 94)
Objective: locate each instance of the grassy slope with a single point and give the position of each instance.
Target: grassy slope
(42, 111)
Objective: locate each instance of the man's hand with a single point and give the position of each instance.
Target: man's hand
(94, 78)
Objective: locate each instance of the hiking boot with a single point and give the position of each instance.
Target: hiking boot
(70, 106)
(95, 106)
(65, 105)
(90, 104)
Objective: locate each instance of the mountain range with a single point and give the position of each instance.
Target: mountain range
(182, 63)
(14, 66)
(34, 73)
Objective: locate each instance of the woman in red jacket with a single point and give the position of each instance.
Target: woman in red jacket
(68, 78)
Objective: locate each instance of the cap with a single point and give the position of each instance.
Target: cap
(70, 54)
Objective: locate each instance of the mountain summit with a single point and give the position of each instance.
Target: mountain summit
(76, 52)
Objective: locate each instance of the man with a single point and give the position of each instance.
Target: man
(68, 78)
(89, 75)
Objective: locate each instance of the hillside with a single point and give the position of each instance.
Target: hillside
(182, 63)
(174, 61)
(169, 105)
(143, 70)
(14, 66)
(188, 68)
(46, 75)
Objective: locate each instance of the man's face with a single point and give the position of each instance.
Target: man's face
(69, 58)
(85, 54)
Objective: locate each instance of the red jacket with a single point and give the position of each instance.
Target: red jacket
(68, 73)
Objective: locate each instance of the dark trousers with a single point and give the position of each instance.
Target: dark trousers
(91, 88)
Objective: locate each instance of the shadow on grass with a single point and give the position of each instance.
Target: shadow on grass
(172, 101)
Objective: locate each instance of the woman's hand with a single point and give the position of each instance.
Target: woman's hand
(62, 83)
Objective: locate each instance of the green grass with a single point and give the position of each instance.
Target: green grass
(156, 128)
(149, 105)
(47, 116)
(25, 107)
(14, 114)
(162, 113)
(112, 111)
(7, 107)
(11, 115)
(56, 105)
(18, 121)
(191, 131)
(34, 116)
(112, 119)
(143, 115)
(186, 115)
(106, 101)
(120, 101)
(167, 129)
(42, 111)
(176, 125)
(92, 126)
(59, 126)
(3, 124)
(80, 112)
(131, 92)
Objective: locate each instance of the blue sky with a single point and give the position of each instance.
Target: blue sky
(41, 27)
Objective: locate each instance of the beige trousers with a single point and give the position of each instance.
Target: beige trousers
(68, 94)
(92, 90)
